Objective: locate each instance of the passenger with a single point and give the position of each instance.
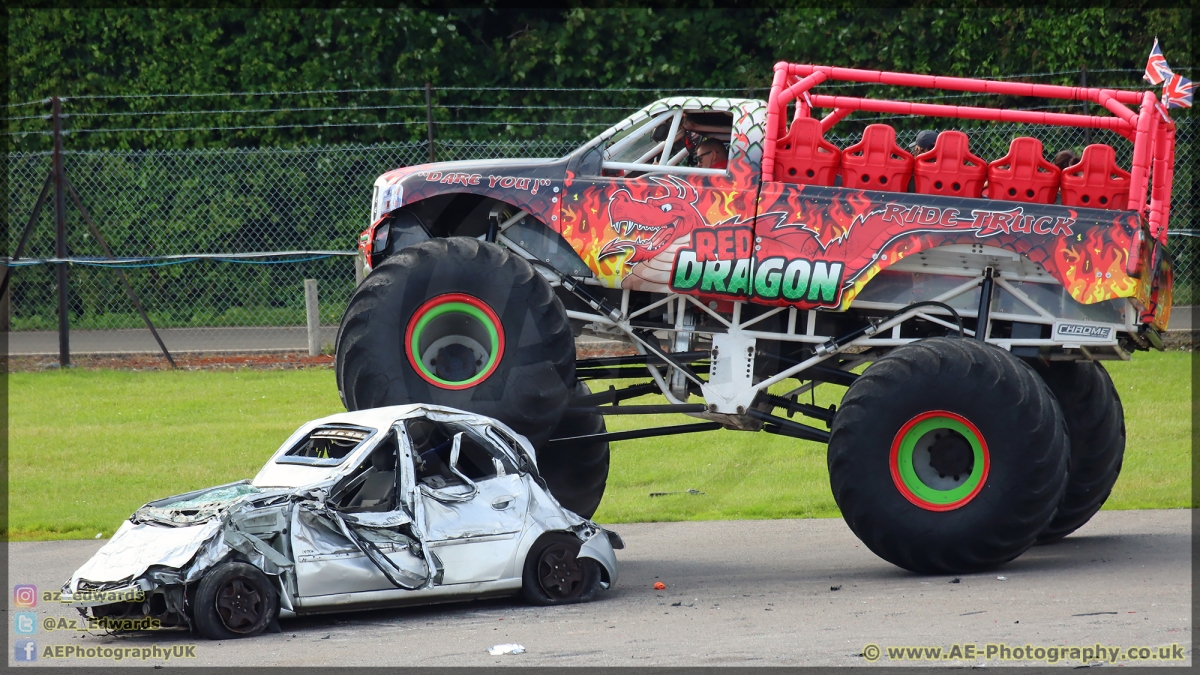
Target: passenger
(925, 141)
(1062, 160)
(1066, 158)
(711, 154)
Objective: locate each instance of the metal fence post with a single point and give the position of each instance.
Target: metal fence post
(60, 234)
(429, 118)
(5, 308)
(313, 310)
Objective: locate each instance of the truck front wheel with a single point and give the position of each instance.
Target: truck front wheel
(576, 473)
(461, 323)
(948, 456)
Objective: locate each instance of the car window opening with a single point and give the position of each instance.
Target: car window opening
(432, 445)
(326, 446)
(648, 144)
(372, 487)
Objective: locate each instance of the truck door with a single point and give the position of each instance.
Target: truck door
(632, 203)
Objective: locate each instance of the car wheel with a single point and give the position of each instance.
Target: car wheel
(461, 323)
(948, 456)
(1096, 420)
(577, 474)
(235, 600)
(556, 575)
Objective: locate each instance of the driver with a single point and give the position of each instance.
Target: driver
(711, 154)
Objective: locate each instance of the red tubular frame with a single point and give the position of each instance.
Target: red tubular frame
(1150, 128)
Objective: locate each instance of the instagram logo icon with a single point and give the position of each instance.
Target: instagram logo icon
(25, 595)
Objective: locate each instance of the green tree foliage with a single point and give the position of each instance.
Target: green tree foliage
(511, 54)
(579, 69)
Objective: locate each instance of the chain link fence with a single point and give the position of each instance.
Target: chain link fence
(312, 201)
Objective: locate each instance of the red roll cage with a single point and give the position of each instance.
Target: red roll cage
(1150, 128)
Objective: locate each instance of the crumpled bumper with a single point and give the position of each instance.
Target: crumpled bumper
(598, 547)
(135, 592)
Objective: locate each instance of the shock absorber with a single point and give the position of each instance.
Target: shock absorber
(685, 324)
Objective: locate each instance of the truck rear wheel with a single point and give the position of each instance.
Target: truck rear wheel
(460, 323)
(577, 473)
(948, 456)
(1096, 420)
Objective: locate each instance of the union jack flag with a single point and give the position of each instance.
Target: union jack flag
(1178, 91)
(1157, 69)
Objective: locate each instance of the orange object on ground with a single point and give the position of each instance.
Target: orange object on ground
(660, 586)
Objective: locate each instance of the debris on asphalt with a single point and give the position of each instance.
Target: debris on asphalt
(689, 491)
(956, 580)
(836, 588)
(1002, 578)
(660, 586)
(499, 650)
(677, 604)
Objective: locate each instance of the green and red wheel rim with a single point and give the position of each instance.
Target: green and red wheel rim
(939, 461)
(460, 330)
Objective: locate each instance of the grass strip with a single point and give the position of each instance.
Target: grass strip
(86, 448)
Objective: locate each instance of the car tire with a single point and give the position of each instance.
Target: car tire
(506, 347)
(1096, 420)
(972, 411)
(554, 574)
(577, 474)
(234, 600)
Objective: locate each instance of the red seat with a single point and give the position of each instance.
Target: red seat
(950, 168)
(805, 157)
(1096, 181)
(1023, 175)
(876, 162)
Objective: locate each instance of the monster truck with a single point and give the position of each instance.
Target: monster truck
(982, 294)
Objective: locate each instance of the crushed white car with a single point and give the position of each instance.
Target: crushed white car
(386, 507)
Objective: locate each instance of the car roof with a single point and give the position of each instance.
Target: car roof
(383, 418)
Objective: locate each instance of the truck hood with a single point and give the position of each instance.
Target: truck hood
(464, 166)
(528, 184)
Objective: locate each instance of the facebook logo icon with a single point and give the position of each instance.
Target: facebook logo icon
(24, 650)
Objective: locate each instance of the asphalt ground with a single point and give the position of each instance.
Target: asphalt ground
(242, 340)
(738, 593)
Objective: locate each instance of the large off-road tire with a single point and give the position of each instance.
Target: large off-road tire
(1096, 420)
(948, 456)
(554, 574)
(577, 473)
(502, 337)
(234, 600)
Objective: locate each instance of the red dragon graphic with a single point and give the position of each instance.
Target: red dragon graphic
(654, 222)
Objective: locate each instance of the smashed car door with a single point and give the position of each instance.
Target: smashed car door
(360, 536)
(469, 499)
